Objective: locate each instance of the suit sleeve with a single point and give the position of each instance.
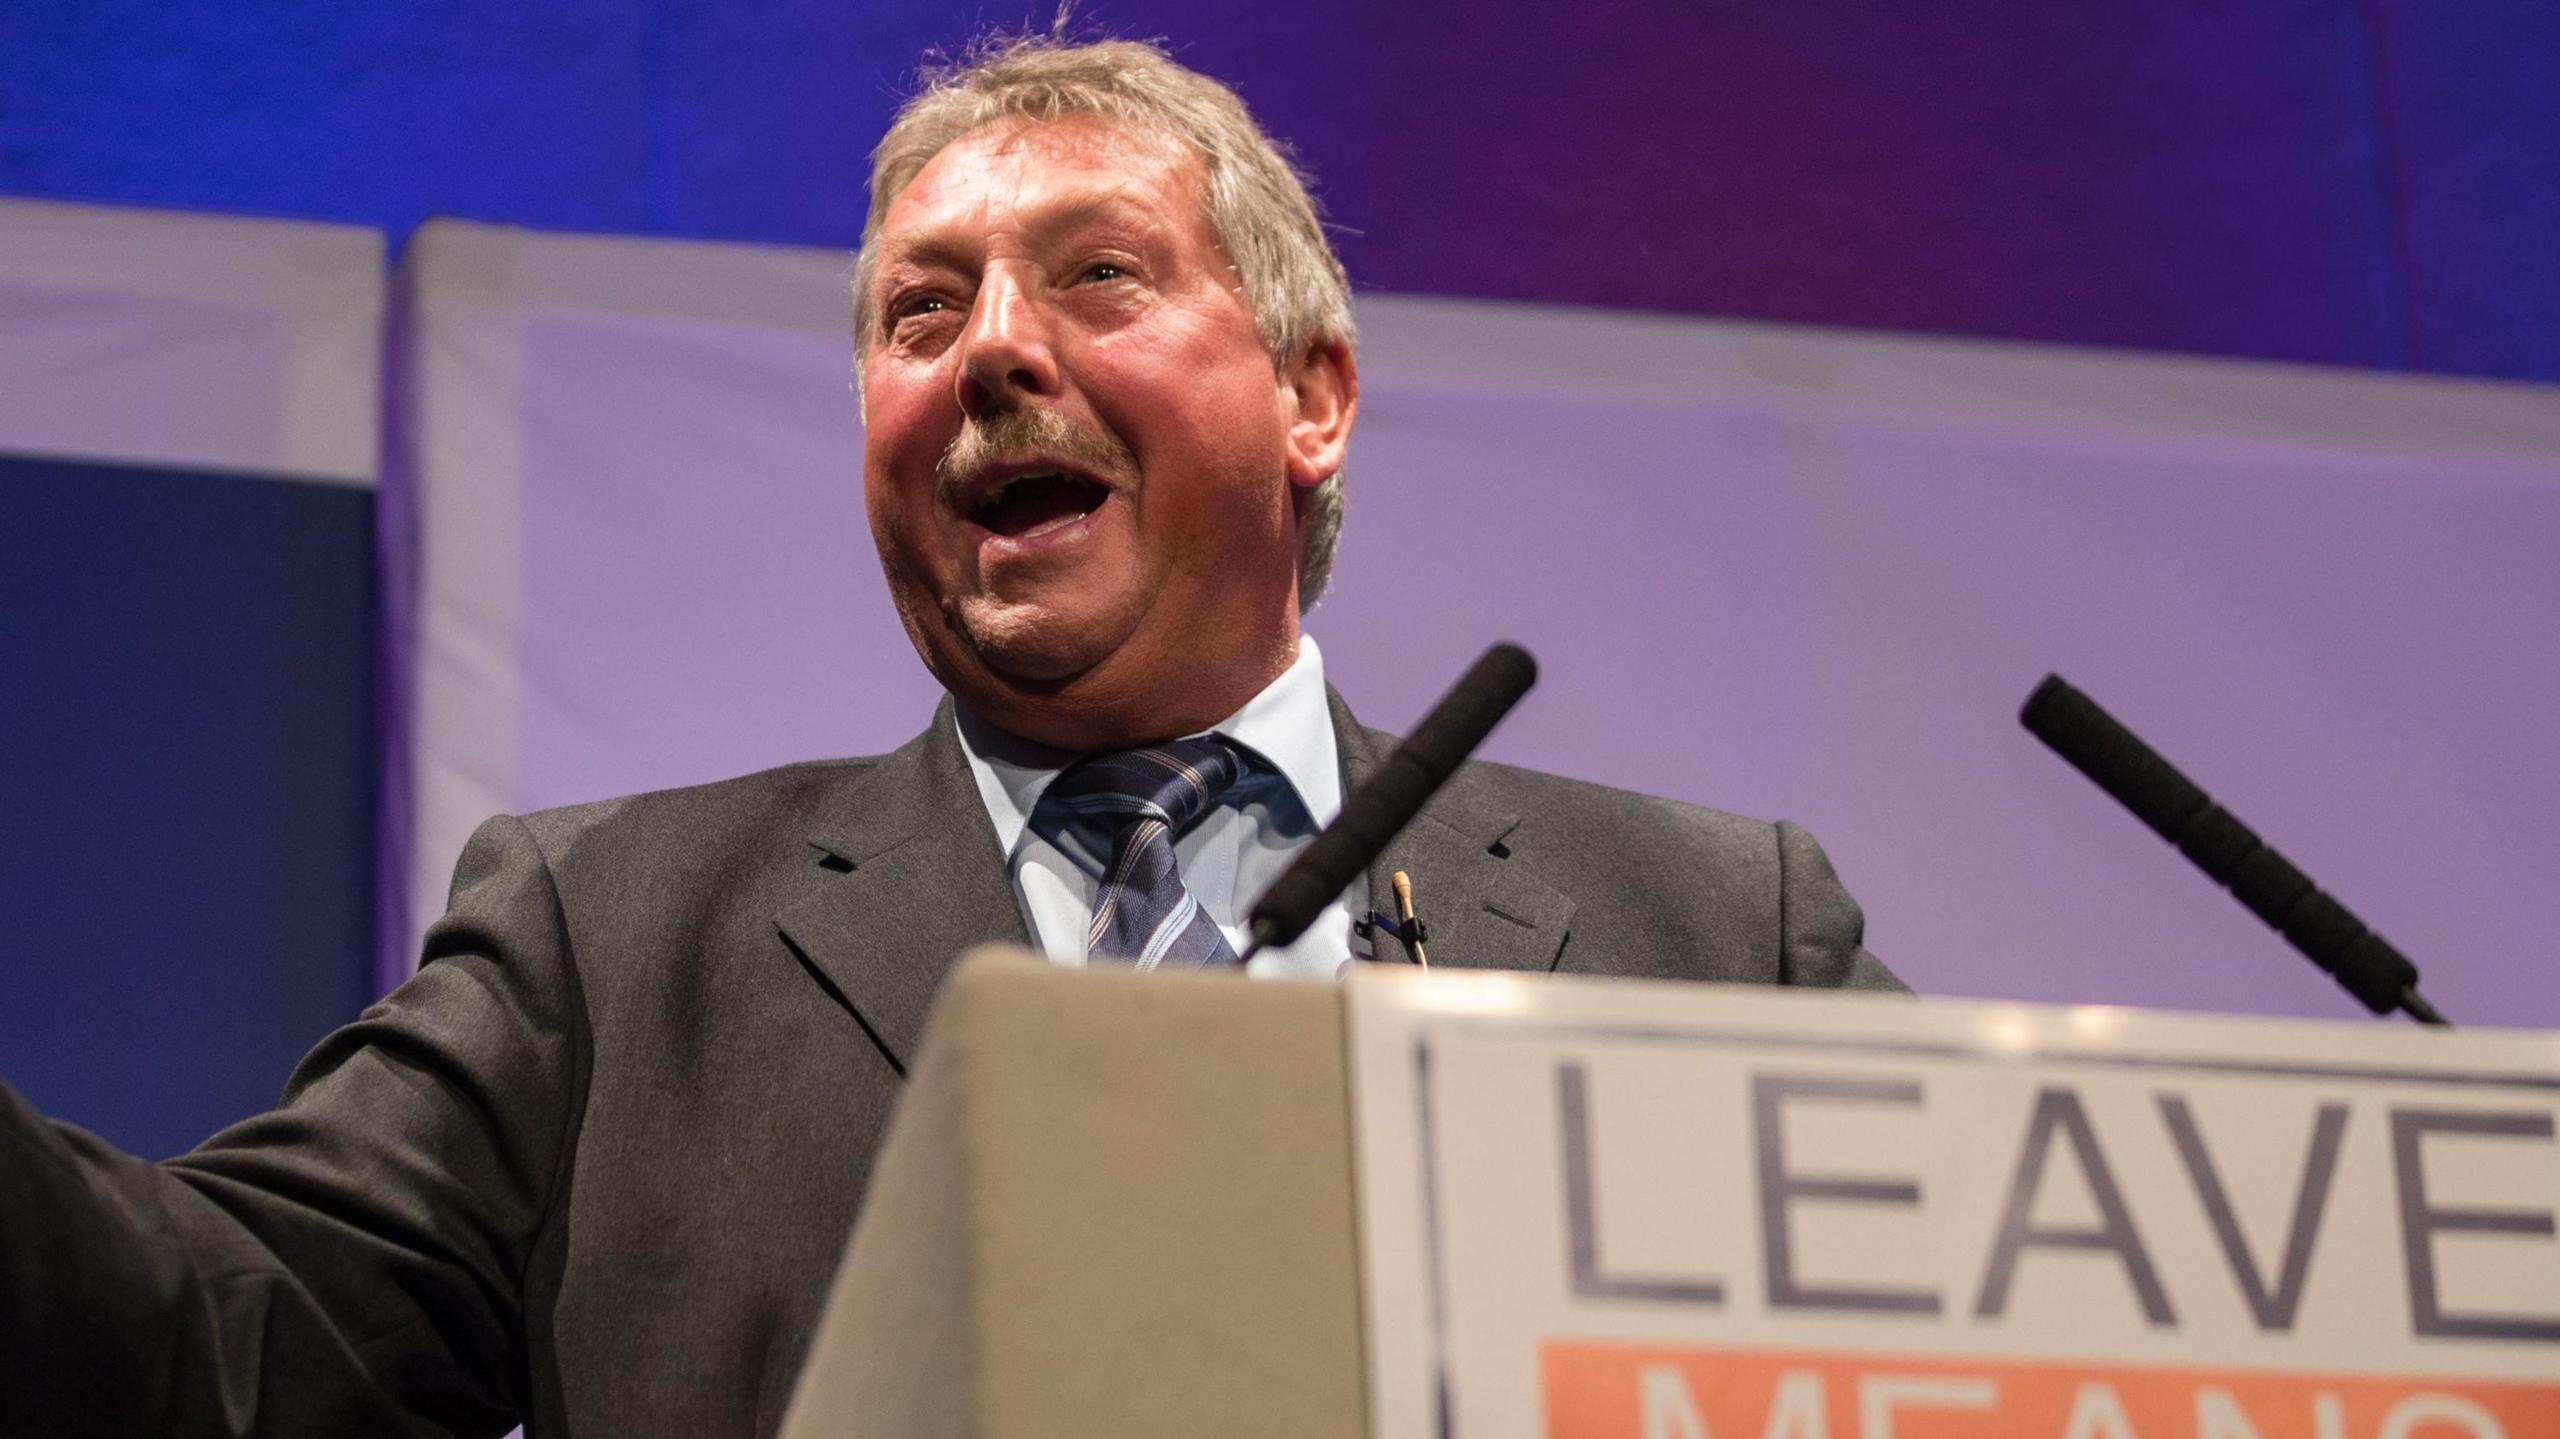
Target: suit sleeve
(1821, 930)
(352, 1262)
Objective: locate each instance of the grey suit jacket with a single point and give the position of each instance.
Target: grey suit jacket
(595, 1164)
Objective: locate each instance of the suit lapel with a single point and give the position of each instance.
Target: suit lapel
(1485, 907)
(916, 880)
(911, 877)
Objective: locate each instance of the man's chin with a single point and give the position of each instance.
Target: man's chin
(1029, 647)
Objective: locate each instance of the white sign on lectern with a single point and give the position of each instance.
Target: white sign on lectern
(1706, 1212)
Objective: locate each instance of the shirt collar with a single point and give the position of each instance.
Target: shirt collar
(1289, 724)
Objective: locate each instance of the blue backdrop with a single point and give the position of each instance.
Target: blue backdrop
(2362, 182)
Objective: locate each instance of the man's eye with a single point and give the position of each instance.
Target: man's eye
(1101, 270)
(914, 306)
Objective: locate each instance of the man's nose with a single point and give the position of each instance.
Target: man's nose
(1005, 354)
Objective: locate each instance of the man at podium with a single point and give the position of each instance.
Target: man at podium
(591, 1169)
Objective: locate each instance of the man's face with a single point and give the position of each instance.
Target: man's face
(1079, 461)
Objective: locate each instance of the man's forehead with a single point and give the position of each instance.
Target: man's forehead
(1040, 172)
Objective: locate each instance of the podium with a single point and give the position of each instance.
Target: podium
(1111, 1204)
(1489, 1206)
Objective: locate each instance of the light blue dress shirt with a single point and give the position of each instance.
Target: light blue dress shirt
(1228, 858)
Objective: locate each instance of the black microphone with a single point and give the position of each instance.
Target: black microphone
(1380, 808)
(2229, 852)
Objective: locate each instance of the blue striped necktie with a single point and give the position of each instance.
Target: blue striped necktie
(1127, 809)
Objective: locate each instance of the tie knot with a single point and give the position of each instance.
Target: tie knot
(1175, 783)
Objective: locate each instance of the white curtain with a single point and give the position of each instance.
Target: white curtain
(1796, 573)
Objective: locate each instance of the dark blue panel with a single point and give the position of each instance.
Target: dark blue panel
(2472, 102)
(186, 772)
(374, 114)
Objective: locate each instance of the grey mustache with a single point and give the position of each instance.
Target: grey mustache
(1009, 434)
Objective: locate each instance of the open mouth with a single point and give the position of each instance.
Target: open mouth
(1038, 502)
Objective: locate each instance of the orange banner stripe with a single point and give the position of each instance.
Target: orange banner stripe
(1616, 1391)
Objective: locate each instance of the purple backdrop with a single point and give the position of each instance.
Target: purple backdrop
(2355, 181)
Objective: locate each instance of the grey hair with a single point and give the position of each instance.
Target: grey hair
(1254, 196)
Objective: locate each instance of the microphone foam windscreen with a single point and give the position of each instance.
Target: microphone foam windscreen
(1389, 799)
(2112, 756)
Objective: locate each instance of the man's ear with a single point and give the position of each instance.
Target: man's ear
(1322, 390)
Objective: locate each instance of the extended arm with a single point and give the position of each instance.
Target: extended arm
(352, 1262)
